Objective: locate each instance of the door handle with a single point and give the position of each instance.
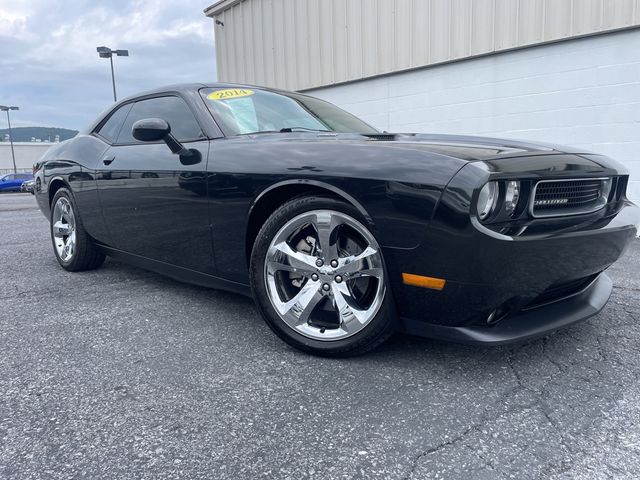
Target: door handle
(108, 160)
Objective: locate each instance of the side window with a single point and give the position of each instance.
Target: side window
(172, 109)
(10, 177)
(110, 129)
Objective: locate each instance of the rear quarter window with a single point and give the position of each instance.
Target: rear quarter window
(111, 128)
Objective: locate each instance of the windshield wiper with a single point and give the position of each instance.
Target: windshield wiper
(304, 129)
(284, 130)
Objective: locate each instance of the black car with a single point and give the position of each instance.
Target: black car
(342, 234)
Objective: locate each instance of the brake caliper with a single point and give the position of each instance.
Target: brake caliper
(306, 245)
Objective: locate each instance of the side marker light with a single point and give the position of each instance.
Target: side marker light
(424, 282)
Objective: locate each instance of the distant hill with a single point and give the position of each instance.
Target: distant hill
(24, 134)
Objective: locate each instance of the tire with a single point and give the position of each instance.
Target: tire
(73, 247)
(343, 305)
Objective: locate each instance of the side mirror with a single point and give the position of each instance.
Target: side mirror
(150, 129)
(156, 129)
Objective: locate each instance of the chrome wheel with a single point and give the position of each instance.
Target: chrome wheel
(324, 275)
(63, 227)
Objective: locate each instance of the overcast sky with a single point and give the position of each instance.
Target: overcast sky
(50, 69)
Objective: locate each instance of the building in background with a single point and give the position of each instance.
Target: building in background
(27, 153)
(560, 71)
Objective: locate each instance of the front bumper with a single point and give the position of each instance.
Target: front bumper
(524, 325)
(487, 273)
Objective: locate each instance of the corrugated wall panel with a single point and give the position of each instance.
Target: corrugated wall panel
(355, 51)
(301, 44)
(268, 46)
(340, 39)
(248, 33)
(239, 54)
(420, 33)
(506, 24)
(403, 10)
(439, 28)
(618, 13)
(587, 16)
(258, 35)
(326, 42)
(221, 51)
(530, 21)
(279, 51)
(291, 45)
(313, 51)
(385, 46)
(558, 19)
(370, 37)
(460, 29)
(482, 26)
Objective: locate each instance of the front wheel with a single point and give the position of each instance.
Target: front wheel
(72, 246)
(318, 277)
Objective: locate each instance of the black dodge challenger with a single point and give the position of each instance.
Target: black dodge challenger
(341, 233)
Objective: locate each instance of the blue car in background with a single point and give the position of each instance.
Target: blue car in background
(11, 182)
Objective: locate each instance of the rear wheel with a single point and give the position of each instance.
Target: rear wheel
(318, 277)
(72, 246)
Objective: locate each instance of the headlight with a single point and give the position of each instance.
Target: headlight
(487, 200)
(511, 196)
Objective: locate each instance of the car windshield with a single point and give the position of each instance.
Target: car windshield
(244, 111)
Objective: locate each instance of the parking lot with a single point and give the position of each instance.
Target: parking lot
(121, 373)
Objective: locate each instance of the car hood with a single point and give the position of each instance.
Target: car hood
(473, 148)
(462, 147)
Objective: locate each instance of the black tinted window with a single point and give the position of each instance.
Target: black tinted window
(172, 109)
(109, 131)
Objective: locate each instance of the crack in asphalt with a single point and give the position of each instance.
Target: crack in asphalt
(477, 427)
(567, 441)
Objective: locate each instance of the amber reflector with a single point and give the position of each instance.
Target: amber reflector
(424, 282)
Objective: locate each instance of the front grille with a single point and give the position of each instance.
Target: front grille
(558, 291)
(569, 197)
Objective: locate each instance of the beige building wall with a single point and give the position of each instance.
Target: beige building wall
(304, 44)
(27, 153)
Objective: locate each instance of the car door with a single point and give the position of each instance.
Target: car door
(154, 202)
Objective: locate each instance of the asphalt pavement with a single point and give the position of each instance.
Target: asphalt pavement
(122, 373)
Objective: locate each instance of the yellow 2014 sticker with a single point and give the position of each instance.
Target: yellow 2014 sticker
(230, 93)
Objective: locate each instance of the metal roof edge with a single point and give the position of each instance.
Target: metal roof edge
(220, 6)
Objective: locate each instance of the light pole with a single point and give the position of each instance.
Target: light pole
(106, 52)
(4, 108)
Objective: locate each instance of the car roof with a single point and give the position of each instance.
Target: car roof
(179, 88)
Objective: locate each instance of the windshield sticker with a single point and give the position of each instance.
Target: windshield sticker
(230, 93)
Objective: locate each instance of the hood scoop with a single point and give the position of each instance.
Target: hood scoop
(381, 137)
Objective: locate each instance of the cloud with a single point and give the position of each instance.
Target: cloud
(51, 68)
